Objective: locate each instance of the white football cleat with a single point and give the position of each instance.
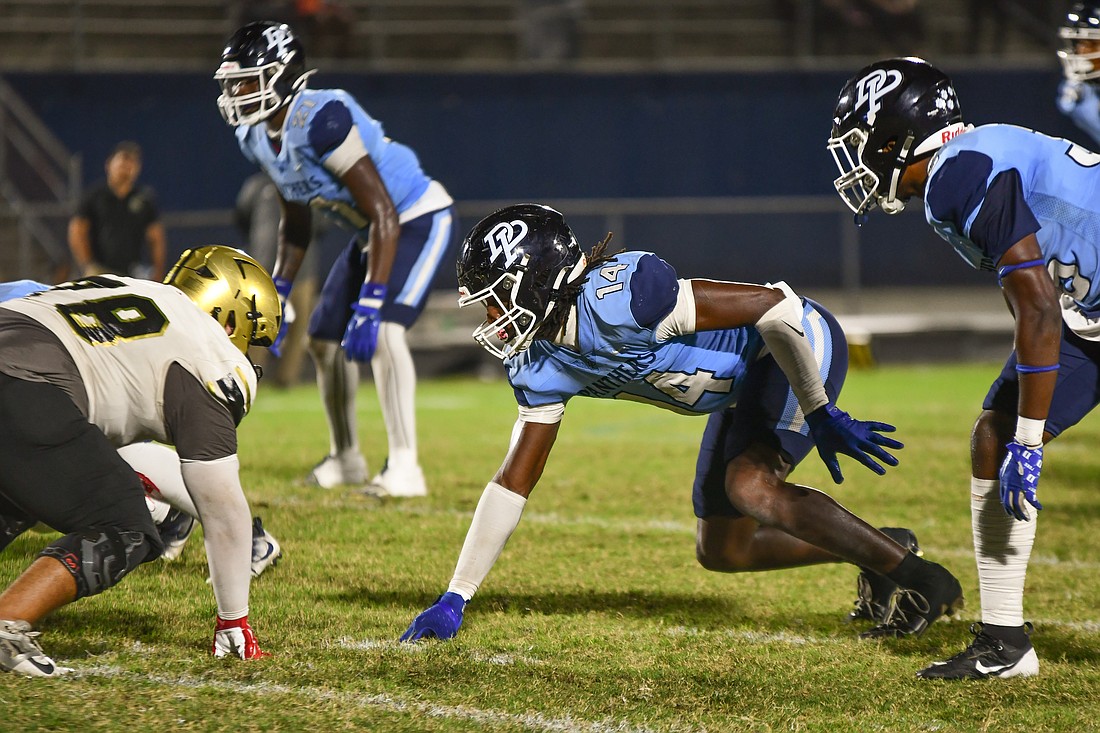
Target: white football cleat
(174, 530)
(265, 548)
(349, 467)
(398, 482)
(20, 652)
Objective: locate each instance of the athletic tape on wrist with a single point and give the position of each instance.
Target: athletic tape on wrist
(1029, 431)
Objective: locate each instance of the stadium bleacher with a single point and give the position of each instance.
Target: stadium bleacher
(443, 36)
(396, 34)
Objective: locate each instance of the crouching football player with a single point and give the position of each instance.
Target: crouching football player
(766, 365)
(172, 373)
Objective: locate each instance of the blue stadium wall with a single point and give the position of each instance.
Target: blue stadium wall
(556, 136)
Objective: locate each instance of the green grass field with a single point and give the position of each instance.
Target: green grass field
(596, 617)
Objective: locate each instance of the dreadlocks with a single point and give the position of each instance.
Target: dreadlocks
(555, 322)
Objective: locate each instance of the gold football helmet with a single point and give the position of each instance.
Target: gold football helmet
(234, 288)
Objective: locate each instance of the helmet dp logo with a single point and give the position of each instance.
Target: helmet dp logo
(873, 87)
(277, 37)
(504, 238)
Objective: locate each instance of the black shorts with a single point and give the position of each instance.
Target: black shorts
(57, 468)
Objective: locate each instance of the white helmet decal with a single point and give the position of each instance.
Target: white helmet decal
(504, 238)
(277, 37)
(873, 87)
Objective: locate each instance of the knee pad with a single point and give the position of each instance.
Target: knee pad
(98, 557)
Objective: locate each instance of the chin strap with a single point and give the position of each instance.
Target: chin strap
(892, 206)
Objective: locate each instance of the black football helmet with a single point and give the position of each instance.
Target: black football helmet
(890, 115)
(518, 259)
(268, 54)
(1081, 61)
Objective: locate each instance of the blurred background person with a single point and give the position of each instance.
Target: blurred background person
(117, 228)
(550, 30)
(256, 215)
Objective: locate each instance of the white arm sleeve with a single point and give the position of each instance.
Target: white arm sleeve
(215, 487)
(497, 515)
(681, 321)
(161, 465)
(785, 336)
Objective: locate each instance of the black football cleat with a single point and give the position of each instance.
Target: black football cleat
(873, 591)
(986, 657)
(911, 610)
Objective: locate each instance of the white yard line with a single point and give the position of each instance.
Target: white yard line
(384, 702)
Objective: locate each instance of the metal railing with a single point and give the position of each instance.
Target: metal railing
(39, 182)
(612, 215)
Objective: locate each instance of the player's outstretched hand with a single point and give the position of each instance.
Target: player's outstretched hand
(441, 620)
(236, 638)
(1020, 480)
(835, 431)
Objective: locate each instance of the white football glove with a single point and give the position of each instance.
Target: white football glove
(236, 638)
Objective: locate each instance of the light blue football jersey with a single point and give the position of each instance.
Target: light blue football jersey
(317, 122)
(616, 357)
(993, 185)
(19, 288)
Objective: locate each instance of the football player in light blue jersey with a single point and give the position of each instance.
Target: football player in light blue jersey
(1027, 206)
(1077, 94)
(324, 152)
(765, 365)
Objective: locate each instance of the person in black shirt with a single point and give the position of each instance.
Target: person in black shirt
(117, 221)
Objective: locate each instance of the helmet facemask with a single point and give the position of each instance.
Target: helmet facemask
(861, 187)
(517, 326)
(509, 333)
(256, 106)
(1079, 63)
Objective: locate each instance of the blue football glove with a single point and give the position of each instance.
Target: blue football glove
(1020, 480)
(440, 621)
(835, 431)
(362, 334)
(282, 287)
